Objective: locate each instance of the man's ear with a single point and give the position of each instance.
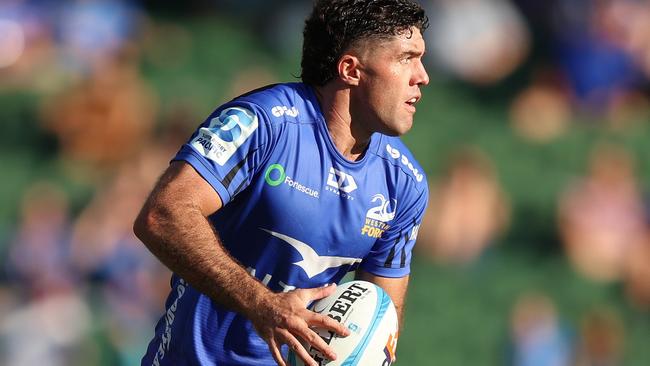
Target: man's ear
(349, 70)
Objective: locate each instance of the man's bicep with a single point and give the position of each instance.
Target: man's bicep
(181, 183)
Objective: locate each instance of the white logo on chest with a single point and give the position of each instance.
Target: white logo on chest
(312, 263)
(341, 181)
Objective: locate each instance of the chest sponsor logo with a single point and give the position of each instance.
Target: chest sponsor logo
(397, 155)
(282, 110)
(225, 134)
(312, 263)
(340, 183)
(379, 215)
(275, 175)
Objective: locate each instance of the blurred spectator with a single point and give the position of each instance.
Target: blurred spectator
(49, 330)
(106, 118)
(479, 41)
(589, 45)
(50, 322)
(631, 20)
(601, 215)
(602, 339)
(93, 30)
(637, 277)
(467, 210)
(537, 334)
(542, 111)
(27, 45)
(38, 255)
(626, 23)
(42, 42)
(12, 33)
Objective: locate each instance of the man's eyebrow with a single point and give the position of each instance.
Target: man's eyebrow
(410, 53)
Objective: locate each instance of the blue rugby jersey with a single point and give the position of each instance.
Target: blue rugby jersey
(296, 213)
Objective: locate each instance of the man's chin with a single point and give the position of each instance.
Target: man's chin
(402, 129)
(398, 128)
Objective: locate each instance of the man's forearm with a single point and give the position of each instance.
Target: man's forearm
(184, 240)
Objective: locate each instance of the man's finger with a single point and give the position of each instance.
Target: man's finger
(299, 350)
(275, 352)
(323, 321)
(318, 292)
(317, 342)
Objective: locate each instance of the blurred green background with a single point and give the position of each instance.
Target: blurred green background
(529, 290)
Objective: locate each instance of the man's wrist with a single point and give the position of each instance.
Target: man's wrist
(251, 296)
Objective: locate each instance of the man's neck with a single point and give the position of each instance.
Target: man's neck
(349, 137)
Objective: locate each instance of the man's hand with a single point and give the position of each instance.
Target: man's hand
(283, 318)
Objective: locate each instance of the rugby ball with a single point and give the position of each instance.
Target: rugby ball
(368, 312)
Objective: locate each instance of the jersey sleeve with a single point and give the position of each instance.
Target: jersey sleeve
(229, 147)
(391, 254)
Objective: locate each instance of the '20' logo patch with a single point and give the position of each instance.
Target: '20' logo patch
(225, 134)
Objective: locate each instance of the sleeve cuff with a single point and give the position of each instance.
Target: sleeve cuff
(385, 272)
(188, 155)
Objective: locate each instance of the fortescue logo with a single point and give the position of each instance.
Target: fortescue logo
(276, 175)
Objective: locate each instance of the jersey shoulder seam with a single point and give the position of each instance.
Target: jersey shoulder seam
(401, 168)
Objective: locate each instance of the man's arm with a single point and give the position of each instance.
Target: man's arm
(394, 287)
(173, 225)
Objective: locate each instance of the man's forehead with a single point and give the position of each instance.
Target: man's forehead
(408, 40)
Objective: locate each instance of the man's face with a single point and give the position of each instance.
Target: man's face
(389, 83)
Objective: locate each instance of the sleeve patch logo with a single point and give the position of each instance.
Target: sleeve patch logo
(225, 134)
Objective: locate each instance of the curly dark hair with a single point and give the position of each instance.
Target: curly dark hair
(335, 25)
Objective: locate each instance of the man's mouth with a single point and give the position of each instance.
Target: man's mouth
(411, 102)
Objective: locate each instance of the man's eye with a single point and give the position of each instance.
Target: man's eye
(405, 60)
